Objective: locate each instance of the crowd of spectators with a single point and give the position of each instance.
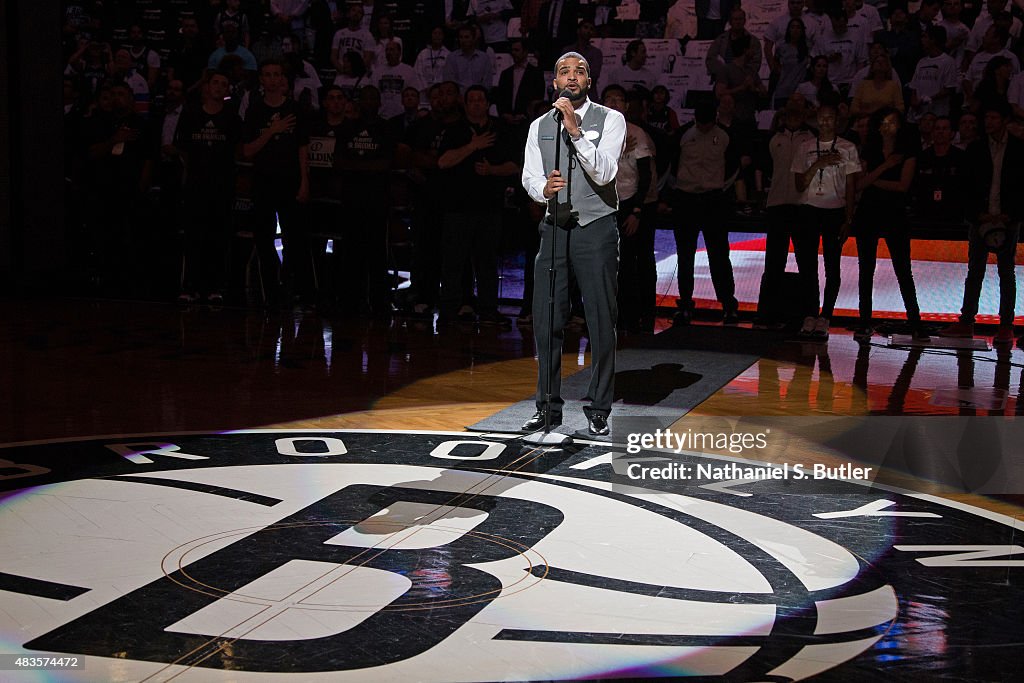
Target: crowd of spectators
(188, 122)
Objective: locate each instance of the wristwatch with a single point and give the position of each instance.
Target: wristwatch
(578, 136)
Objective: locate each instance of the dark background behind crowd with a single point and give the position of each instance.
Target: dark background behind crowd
(194, 128)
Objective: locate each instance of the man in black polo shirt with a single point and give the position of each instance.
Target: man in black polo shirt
(477, 157)
(275, 138)
(942, 175)
(364, 156)
(423, 140)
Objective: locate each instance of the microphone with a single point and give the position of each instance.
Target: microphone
(567, 94)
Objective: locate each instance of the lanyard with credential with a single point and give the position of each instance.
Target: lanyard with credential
(821, 171)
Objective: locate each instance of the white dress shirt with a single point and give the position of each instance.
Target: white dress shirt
(600, 161)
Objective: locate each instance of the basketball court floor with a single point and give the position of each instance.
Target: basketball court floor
(200, 494)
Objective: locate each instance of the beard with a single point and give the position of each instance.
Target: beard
(581, 95)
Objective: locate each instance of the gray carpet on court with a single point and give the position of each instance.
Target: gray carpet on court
(661, 377)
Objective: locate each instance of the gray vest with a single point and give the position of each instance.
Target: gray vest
(589, 201)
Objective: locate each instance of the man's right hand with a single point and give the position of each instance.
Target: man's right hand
(125, 134)
(554, 185)
(481, 141)
(828, 159)
(282, 125)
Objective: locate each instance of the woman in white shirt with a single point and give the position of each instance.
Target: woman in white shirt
(352, 74)
(793, 57)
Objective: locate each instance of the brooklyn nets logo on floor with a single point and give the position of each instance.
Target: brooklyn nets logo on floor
(384, 556)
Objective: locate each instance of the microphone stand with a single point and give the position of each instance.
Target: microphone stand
(547, 437)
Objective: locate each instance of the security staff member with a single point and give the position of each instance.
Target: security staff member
(995, 208)
(586, 237)
(707, 166)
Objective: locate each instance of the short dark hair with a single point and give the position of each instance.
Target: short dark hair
(638, 95)
(613, 86)
(270, 61)
(357, 62)
(705, 112)
(573, 55)
(830, 100)
(369, 90)
(111, 83)
(1001, 107)
(633, 47)
(476, 87)
(965, 114)
(938, 35)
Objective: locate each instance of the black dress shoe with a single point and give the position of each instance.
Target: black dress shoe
(536, 423)
(682, 317)
(597, 424)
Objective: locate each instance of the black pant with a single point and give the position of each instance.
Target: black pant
(822, 225)
(977, 264)
(207, 229)
(897, 239)
(116, 227)
(703, 212)
(366, 261)
(638, 273)
(427, 252)
(592, 251)
(274, 203)
(470, 236)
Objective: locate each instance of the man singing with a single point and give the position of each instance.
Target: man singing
(581, 196)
